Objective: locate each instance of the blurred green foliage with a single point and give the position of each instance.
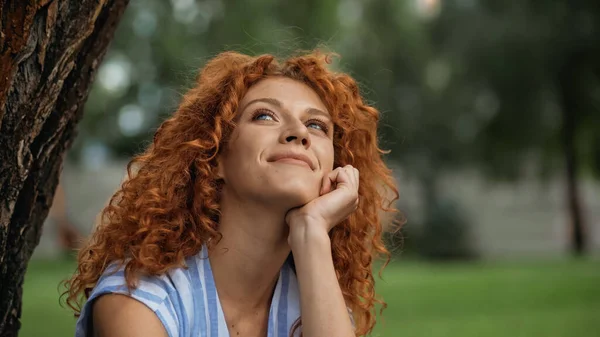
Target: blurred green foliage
(457, 82)
(471, 83)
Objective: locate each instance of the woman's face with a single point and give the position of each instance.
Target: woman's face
(282, 146)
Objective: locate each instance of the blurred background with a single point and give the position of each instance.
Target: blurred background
(491, 110)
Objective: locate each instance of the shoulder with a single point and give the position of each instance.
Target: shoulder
(120, 315)
(165, 298)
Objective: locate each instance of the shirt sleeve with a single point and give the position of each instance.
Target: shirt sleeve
(350, 313)
(157, 293)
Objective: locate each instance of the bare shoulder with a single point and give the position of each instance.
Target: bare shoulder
(119, 315)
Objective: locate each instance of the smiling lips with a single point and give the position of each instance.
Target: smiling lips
(294, 159)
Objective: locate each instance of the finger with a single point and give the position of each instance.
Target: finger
(350, 171)
(329, 181)
(344, 178)
(347, 169)
(355, 175)
(325, 185)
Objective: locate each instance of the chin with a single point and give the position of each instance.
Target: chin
(296, 193)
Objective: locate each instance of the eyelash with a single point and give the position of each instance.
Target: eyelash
(319, 122)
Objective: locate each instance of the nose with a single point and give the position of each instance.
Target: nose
(297, 133)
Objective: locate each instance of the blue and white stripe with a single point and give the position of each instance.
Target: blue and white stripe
(187, 303)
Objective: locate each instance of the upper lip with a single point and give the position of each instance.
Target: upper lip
(293, 155)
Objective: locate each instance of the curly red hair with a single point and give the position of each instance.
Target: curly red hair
(169, 207)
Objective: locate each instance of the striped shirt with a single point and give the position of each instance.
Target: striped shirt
(187, 303)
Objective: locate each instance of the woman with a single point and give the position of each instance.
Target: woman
(246, 210)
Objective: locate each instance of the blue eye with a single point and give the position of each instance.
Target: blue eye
(263, 116)
(320, 125)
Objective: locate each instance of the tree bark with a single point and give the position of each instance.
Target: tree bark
(578, 244)
(49, 53)
(569, 85)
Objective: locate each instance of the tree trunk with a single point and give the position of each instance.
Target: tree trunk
(571, 101)
(49, 53)
(573, 200)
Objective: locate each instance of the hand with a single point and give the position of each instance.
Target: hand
(337, 199)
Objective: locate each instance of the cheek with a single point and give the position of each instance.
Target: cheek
(235, 160)
(241, 148)
(327, 158)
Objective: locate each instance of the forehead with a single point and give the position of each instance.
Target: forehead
(290, 92)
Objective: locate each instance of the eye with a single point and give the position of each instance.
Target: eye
(263, 115)
(318, 125)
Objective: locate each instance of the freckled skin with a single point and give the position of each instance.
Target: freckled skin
(244, 165)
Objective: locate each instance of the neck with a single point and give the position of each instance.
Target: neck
(247, 260)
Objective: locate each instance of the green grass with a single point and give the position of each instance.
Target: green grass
(548, 298)
(42, 314)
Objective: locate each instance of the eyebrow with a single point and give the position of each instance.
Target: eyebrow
(277, 103)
